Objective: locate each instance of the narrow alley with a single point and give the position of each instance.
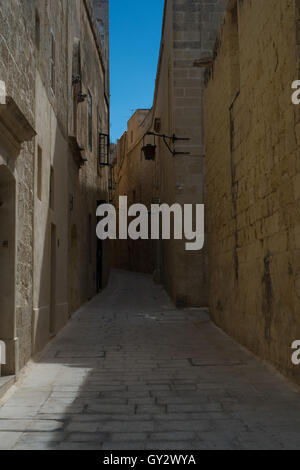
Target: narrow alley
(132, 372)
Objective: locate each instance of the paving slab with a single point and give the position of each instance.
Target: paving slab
(131, 372)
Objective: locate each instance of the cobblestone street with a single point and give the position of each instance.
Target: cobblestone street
(132, 372)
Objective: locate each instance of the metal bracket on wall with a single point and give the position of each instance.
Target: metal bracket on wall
(172, 139)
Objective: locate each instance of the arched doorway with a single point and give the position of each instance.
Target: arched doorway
(7, 266)
(74, 270)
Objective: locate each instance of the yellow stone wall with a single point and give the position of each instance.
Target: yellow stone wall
(253, 179)
(189, 27)
(134, 179)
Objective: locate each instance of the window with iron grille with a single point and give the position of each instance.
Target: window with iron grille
(103, 149)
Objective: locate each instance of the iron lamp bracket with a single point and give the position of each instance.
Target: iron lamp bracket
(171, 139)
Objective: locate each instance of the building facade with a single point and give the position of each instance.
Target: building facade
(55, 66)
(17, 155)
(189, 31)
(134, 177)
(252, 153)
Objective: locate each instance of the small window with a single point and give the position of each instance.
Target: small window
(51, 195)
(157, 125)
(52, 62)
(235, 51)
(37, 30)
(39, 173)
(90, 121)
(101, 28)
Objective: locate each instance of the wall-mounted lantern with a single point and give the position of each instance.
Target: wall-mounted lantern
(149, 150)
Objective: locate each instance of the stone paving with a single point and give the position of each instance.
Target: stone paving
(131, 372)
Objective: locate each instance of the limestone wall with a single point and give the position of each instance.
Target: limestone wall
(17, 70)
(56, 175)
(67, 152)
(252, 155)
(188, 35)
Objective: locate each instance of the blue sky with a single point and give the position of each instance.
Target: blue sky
(135, 33)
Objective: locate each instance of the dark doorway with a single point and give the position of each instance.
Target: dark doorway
(74, 271)
(7, 267)
(99, 264)
(99, 255)
(53, 280)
